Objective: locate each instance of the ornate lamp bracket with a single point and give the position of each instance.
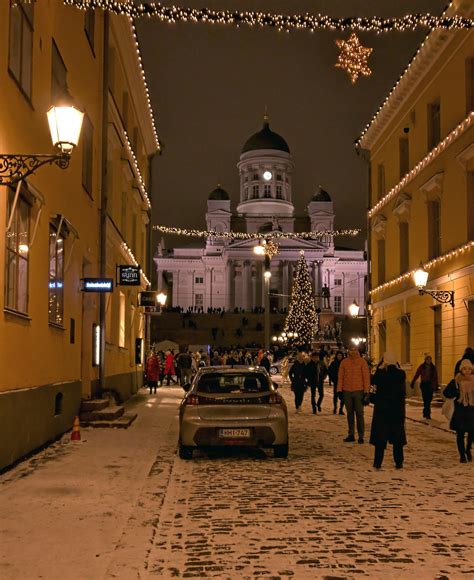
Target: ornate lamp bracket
(14, 167)
(442, 296)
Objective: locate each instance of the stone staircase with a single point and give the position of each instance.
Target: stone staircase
(103, 413)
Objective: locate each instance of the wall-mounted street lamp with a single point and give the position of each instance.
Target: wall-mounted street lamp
(65, 123)
(354, 309)
(443, 296)
(161, 298)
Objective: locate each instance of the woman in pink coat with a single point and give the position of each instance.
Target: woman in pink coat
(169, 367)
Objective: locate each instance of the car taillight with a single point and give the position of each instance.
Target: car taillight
(191, 400)
(275, 399)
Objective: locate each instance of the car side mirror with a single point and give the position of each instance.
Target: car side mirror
(186, 387)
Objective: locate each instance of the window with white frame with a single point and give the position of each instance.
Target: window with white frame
(199, 300)
(56, 275)
(199, 280)
(279, 192)
(255, 191)
(122, 315)
(16, 255)
(279, 177)
(337, 303)
(255, 176)
(20, 49)
(267, 191)
(337, 281)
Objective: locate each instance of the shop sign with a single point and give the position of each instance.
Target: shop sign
(129, 276)
(147, 299)
(97, 284)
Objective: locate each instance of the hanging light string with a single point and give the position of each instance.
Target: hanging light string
(255, 236)
(311, 22)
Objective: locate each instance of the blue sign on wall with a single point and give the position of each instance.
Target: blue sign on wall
(97, 284)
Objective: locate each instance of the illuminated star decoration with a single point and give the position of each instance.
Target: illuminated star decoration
(353, 57)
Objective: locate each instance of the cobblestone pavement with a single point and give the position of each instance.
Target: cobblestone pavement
(322, 513)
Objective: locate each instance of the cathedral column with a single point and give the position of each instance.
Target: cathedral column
(229, 305)
(253, 282)
(246, 285)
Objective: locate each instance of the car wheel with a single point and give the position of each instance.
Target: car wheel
(273, 370)
(185, 452)
(280, 451)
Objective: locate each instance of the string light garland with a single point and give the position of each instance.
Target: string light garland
(255, 236)
(448, 140)
(286, 22)
(434, 262)
(301, 317)
(133, 157)
(353, 57)
(134, 261)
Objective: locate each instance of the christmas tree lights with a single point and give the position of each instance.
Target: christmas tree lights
(301, 317)
(353, 57)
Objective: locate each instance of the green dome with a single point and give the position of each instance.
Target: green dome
(321, 195)
(219, 194)
(265, 139)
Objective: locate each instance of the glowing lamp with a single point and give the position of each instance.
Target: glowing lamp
(354, 309)
(259, 250)
(65, 123)
(421, 277)
(161, 298)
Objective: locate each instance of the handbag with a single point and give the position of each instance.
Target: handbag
(448, 409)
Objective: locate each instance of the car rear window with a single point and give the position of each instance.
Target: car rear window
(233, 383)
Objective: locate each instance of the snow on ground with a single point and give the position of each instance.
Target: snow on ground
(120, 504)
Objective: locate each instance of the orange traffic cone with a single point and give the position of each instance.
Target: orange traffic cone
(76, 431)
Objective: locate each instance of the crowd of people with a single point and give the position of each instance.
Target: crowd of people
(354, 387)
(220, 310)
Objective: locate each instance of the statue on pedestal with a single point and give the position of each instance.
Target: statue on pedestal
(325, 295)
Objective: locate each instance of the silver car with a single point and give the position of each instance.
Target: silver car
(232, 406)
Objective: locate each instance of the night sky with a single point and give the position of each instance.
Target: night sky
(209, 85)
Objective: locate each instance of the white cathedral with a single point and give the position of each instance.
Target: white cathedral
(228, 274)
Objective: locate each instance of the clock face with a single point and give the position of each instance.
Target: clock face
(267, 175)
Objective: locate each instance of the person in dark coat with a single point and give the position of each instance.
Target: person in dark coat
(468, 354)
(298, 380)
(265, 362)
(316, 373)
(461, 389)
(388, 422)
(428, 383)
(153, 371)
(333, 371)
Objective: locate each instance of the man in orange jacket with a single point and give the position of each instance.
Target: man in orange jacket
(354, 384)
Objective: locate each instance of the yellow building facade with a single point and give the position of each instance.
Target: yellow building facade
(65, 225)
(421, 150)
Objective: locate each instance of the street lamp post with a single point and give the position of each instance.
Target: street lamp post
(268, 249)
(65, 123)
(354, 310)
(443, 296)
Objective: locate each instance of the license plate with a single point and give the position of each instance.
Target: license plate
(234, 433)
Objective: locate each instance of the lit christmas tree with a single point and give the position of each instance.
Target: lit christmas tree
(301, 317)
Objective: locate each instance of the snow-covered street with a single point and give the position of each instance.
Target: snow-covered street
(120, 504)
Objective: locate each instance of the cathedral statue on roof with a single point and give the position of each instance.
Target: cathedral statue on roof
(227, 274)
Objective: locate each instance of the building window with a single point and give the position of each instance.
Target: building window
(199, 300)
(406, 338)
(404, 153)
(246, 193)
(255, 191)
(434, 124)
(434, 229)
(279, 192)
(20, 50)
(337, 281)
(255, 176)
(438, 339)
(59, 88)
(380, 261)
(89, 26)
(404, 232)
(337, 303)
(279, 177)
(380, 181)
(16, 258)
(87, 148)
(469, 85)
(56, 276)
(267, 191)
(199, 280)
(122, 314)
(382, 338)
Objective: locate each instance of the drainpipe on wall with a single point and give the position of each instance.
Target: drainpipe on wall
(103, 199)
(149, 256)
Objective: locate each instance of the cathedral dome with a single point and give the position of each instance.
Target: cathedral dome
(265, 139)
(219, 194)
(321, 195)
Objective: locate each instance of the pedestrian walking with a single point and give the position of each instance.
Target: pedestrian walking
(298, 380)
(428, 383)
(333, 372)
(388, 421)
(265, 362)
(315, 374)
(468, 354)
(461, 389)
(184, 362)
(153, 371)
(169, 367)
(354, 383)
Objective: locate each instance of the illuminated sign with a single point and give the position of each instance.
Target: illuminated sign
(95, 345)
(97, 285)
(129, 276)
(147, 299)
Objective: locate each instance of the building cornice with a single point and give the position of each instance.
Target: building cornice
(417, 70)
(455, 134)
